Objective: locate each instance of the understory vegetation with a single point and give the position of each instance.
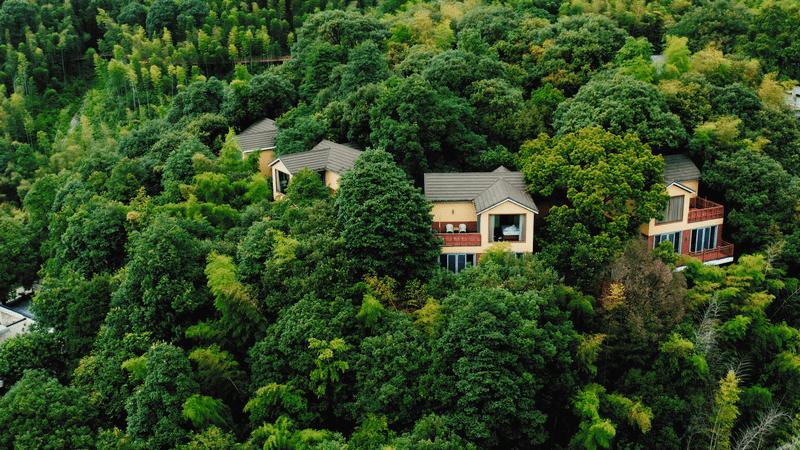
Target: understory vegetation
(179, 306)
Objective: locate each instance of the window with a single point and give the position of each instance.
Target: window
(674, 211)
(675, 238)
(457, 262)
(283, 181)
(704, 239)
(507, 227)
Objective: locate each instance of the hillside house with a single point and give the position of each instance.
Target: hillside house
(474, 210)
(329, 159)
(691, 223)
(259, 138)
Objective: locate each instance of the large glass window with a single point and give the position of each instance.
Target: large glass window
(283, 181)
(456, 262)
(704, 238)
(675, 238)
(674, 211)
(507, 227)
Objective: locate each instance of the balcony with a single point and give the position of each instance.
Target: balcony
(723, 250)
(460, 239)
(701, 209)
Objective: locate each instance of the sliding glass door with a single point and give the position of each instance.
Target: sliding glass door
(704, 239)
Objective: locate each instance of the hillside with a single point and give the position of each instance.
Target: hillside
(194, 286)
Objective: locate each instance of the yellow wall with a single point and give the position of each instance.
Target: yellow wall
(652, 229)
(503, 208)
(332, 180)
(454, 212)
(264, 158)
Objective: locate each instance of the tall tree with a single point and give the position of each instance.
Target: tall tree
(385, 221)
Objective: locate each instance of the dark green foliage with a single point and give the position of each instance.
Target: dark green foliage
(580, 45)
(15, 17)
(385, 220)
(717, 21)
(162, 294)
(457, 69)
(489, 362)
(365, 65)
(299, 135)
(39, 412)
(94, 240)
(38, 349)
(161, 14)
(424, 128)
(198, 98)
(154, 409)
(265, 95)
(74, 307)
(18, 255)
(622, 105)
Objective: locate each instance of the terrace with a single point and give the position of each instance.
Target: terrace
(701, 209)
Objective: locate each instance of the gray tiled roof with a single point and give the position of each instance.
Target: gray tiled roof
(679, 168)
(326, 155)
(484, 189)
(258, 136)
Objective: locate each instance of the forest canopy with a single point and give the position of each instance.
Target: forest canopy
(179, 304)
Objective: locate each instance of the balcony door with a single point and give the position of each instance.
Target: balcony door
(704, 239)
(456, 262)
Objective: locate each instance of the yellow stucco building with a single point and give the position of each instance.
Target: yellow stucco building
(691, 223)
(474, 210)
(329, 159)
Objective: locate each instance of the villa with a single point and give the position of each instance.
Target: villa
(691, 223)
(329, 159)
(259, 138)
(474, 210)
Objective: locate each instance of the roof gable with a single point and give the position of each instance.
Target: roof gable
(258, 136)
(326, 155)
(679, 168)
(484, 189)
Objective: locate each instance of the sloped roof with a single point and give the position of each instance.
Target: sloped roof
(258, 136)
(679, 168)
(326, 155)
(484, 189)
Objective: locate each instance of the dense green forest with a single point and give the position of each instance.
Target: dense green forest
(179, 306)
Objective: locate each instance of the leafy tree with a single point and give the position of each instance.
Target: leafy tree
(161, 14)
(74, 307)
(622, 105)
(95, 237)
(18, 258)
(37, 349)
(154, 409)
(424, 128)
(491, 339)
(457, 69)
(607, 186)
(365, 65)
(200, 97)
(719, 22)
(773, 38)
(30, 410)
(568, 51)
(299, 135)
(161, 295)
(305, 188)
(265, 95)
(15, 17)
(385, 220)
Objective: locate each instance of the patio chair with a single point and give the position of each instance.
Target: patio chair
(462, 228)
(448, 228)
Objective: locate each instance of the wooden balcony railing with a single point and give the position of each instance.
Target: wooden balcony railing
(460, 239)
(724, 250)
(701, 209)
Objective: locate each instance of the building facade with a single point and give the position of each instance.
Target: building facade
(475, 210)
(692, 224)
(328, 159)
(259, 139)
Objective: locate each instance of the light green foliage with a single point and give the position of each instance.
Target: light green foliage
(594, 431)
(611, 184)
(217, 371)
(305, 188)
(240, 321)
(137, 367)
(329, 365)
(725, 412)
(204, 411)
(275, 400)
(371, 310)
